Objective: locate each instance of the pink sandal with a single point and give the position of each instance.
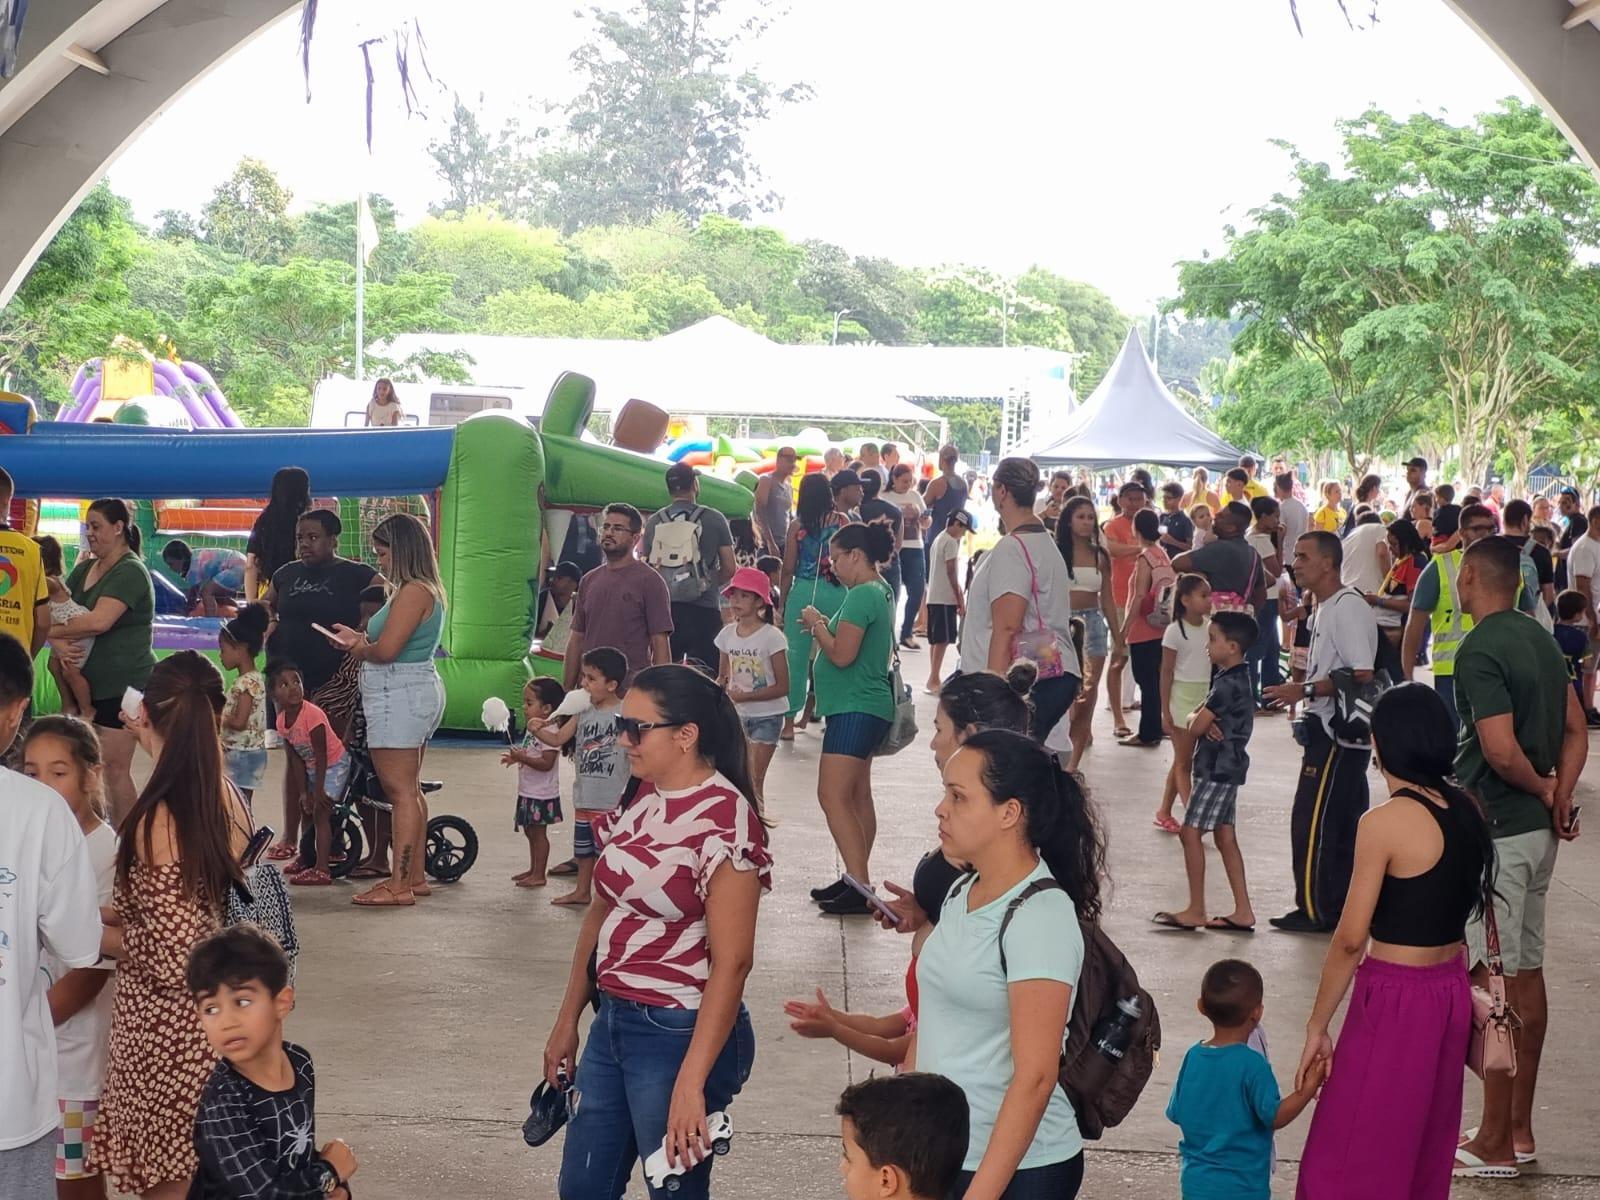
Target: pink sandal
(1166, 824)
(282, 851)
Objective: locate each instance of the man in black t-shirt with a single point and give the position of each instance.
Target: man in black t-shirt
(322, 589)
(1573, 525)
(1517, 523)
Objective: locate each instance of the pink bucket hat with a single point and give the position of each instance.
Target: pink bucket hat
(751, 579)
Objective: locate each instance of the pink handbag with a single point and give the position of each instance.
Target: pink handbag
(1492, 1045)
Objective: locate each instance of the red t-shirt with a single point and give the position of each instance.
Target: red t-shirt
(622, 607)
(656, 861)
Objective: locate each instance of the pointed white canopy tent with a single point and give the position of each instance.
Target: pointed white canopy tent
(1133, 418)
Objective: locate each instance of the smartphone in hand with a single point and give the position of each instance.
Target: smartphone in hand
(872, 898)
(326, 632)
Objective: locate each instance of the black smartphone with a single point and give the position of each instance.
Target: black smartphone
(1572, 818)
(259, 841)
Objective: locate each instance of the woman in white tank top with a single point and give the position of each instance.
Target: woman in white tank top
(1089, 567)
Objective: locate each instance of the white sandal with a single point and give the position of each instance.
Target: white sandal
(1469, 1166)
(1524, 1157)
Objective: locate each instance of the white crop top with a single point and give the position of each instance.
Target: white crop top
(1085, 579)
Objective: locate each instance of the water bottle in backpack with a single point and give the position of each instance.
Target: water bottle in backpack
(1110, 1040)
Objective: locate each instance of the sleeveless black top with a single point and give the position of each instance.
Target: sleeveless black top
(1431, 909)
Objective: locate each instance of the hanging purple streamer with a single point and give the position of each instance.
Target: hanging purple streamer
(308, 21)
(14, 13)
(366, 57)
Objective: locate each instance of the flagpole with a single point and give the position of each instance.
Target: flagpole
(361, 292)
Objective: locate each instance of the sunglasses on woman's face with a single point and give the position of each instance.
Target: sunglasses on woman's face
(634, 729)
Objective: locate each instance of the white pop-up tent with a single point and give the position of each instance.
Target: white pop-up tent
(1133, 418)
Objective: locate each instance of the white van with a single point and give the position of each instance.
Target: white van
(341, 403)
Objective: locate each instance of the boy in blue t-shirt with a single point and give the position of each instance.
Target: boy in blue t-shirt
(1226, 1100)
(1572, 635)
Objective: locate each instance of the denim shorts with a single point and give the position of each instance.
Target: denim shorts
(333, 779)
(854, 734)
(403, 703)
(764, 731)
(246, 768)
(1096, 633)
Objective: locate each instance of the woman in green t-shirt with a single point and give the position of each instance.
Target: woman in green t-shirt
(851, 677)
(115, 587)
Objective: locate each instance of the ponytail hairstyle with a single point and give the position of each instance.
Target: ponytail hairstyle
(1188, 583)
(117, 512)
(50, 556)
(84, 743)
(1067, 541)
(687, 697)
(183, 702)
(249, 628)
(984, 700)
(1414, 737)
(875, 540)
(814, 505)
(1058, 819)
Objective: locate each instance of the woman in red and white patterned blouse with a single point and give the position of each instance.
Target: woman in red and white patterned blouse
(672, 927)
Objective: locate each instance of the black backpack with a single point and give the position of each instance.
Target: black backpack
(1105, 978)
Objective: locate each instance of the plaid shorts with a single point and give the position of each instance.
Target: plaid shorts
(1211, 804)
(74, 1136)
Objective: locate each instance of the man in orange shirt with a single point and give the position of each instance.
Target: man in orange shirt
(1123, 544)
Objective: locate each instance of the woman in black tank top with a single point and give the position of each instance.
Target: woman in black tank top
(1387, 1123)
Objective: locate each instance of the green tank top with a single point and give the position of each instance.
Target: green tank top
(424, 639)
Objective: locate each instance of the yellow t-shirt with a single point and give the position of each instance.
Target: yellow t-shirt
(1254, 489)
(22, 584)
(1329, 520)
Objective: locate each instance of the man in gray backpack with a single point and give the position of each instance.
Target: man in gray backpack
(691, 547)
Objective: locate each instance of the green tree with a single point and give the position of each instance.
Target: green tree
(539, 312)
(1096, 326)
(329, 231)
(662, 122)
(974, 424)
(971, 306)
(247, 214)
(486, 254)
(73, 302)
(483, 172)
(879, 296)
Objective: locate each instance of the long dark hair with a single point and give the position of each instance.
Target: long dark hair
(814, 505)
(273, 532)
(249, 628)
(184, 699)
(1059, 819)
(1067, 542)
(989, 701)
(117, 512)
(1415, 740)
(1404, 531)
(686, 697)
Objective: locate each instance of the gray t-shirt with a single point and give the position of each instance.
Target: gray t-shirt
(1344, 635)
(600, 760)
(714, 535)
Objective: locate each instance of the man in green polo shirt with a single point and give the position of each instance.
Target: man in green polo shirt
(1523, 745)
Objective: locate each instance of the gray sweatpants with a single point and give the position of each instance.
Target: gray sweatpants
(29, 1172)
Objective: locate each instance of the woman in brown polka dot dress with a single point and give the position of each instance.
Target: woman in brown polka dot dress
(181, 845)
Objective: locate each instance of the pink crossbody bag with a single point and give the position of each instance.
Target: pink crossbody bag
(1493, 1045)
(1041, 646)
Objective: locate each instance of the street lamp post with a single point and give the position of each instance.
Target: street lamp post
(843, 312)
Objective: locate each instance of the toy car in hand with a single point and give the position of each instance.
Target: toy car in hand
(661, 1174)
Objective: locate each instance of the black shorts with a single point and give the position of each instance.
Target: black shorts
(943, 625)
(108, 713)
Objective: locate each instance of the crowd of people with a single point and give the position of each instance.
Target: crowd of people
(143, 1008)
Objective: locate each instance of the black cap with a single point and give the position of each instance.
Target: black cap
(844, 479)
(1569, 490)
(569, 569)
(964, 517)
(680, 478)
(1419, 462)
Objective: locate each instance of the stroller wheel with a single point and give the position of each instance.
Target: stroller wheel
(452, 848)
(347, 847)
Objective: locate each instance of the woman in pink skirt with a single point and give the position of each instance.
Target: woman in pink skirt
(1386, 1124)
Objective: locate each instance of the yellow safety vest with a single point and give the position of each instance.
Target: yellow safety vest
(1449, 625)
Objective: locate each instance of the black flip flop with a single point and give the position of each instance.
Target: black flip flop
(1228, 925)
(1167, 921)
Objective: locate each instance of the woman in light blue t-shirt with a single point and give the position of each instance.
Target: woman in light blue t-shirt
(997, 1029)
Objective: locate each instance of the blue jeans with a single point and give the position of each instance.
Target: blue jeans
(625, 1078)
(914, 574)
(1058, 1181)
(1265, 669)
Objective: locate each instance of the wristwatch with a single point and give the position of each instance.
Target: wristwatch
(329, 1181)
(1310, 690)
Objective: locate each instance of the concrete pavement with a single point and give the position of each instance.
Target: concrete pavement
(427, 1025)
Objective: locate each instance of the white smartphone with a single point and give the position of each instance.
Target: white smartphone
(325, 632)
(871, 897)
(132, 703)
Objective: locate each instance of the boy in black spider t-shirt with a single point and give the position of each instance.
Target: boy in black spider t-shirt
(255, 1131)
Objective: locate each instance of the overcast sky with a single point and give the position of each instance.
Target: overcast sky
(1104, 139)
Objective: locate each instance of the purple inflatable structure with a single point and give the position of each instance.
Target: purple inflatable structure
(189, 383)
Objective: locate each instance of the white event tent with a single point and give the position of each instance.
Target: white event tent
(1133, 418)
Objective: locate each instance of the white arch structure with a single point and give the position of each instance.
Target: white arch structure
(93, 74)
